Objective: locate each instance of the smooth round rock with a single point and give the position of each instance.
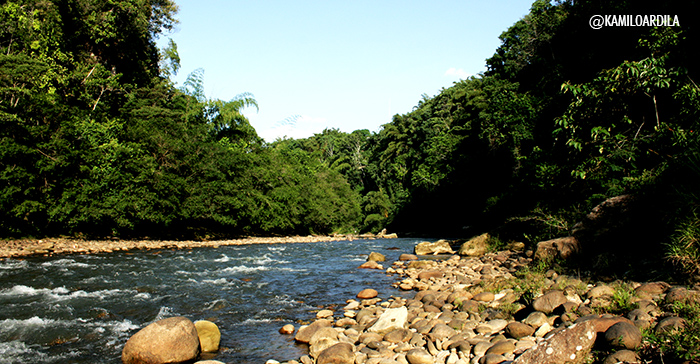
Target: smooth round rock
(492, 359)
(419, 356)
(600, 291)
(549, 301)
(518, 330)
(367, 294)
(305, 333)
(324, 314)
(322, 334)
(171, 340)
(405, 257)
(536, 319)
(370, 265)
(287, 329)
(209, 335)
(623, 335)
(484, 297)
(501, 348)
(670, 324)
(399, 336)
(341, 353)
(622, 356)
(442, 331)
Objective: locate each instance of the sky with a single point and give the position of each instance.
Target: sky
(347, 65)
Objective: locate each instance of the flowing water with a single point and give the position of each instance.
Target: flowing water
(83, 308)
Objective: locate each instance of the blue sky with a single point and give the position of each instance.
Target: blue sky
(336, 64)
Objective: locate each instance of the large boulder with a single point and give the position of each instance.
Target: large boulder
(209, 335)
(433, 248)
(476, 246)
(558, 248)
(570, 345)
(171, 340)
(615, 229)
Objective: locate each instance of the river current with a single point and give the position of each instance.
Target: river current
(83, 308)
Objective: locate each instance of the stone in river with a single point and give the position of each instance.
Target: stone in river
(209, 335)
(371, 265)
(171, 340)
(287, 329)
(377, 257)
(324, 314)
(306, 332)
(367, 294)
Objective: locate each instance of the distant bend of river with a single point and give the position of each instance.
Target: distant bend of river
(83, 308)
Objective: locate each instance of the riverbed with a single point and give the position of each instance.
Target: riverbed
(73, 308)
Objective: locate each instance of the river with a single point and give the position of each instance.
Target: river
(83, 308)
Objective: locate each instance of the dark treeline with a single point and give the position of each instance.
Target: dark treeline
(96, 140)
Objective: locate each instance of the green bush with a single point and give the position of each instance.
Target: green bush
(682, 345)
(684, 248)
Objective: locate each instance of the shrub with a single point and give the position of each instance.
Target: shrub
(684, 248)
(681, 344)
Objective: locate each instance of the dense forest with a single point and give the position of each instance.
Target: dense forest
(97, 141)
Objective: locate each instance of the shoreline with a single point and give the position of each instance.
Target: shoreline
(57, 246)
(494, 308)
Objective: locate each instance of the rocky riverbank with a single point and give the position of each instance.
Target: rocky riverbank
(28, 247)
(495, 308)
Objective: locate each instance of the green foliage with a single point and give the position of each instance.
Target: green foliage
(96, 141)
(684, 248)
(679, 344)
(622, 300)
(563, 118)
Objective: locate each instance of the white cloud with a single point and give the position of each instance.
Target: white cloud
(302, 126)
(459, 72)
